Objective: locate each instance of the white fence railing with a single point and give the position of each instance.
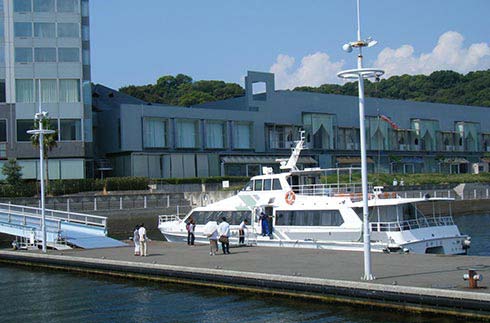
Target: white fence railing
(405, 225)
(28, 211)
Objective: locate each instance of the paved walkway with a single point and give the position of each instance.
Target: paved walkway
(431, 271)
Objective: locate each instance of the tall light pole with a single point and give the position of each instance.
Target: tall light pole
(360, 74)
(40, 116)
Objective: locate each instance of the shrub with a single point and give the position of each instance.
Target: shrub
(127, 183)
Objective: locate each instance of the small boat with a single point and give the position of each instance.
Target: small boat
(301, 209)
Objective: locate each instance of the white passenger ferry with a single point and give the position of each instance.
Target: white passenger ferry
(305, 213)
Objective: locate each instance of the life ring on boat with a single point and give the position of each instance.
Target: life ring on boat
(290, 197)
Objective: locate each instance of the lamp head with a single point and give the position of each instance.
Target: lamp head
(347, 48)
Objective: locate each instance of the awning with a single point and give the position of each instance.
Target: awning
(414, 160)
(352, 160)
(455, 161)
(263, 160)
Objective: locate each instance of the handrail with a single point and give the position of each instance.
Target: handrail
(406, 225)
(328, 189)
(168, 217)
(87, 219)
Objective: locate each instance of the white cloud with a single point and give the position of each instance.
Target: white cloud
(314, 70)
(448, 54)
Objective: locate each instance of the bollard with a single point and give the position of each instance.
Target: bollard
(95, 204)
(68, 205)
(473, 278)
(168, 200)
(487, 192)
(435, 193)
(449, 194)
(120, 203)
(177, 210)
(474, 194)
(144, 206)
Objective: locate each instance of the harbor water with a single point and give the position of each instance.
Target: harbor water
(54, 296)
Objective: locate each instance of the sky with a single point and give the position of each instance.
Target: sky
(136, 42)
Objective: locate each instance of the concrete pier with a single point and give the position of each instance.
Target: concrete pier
(404, 282)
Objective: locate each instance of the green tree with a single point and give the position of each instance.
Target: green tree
(12, 172)
(49, 142)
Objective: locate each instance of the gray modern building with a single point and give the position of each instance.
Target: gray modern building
(45, 52)
(238, 136)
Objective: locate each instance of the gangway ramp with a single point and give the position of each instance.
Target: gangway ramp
(62, 228)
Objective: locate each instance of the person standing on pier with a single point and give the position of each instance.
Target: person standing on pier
(224, 234)
(241, 232)
(136, 240)
(191, 227)
(143, 240)
(213, 242)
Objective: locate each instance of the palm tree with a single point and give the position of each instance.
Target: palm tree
(49, 142)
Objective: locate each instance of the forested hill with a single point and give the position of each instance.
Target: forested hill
(182, 90)
(441, 86)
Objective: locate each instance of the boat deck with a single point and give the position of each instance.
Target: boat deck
(424, 277)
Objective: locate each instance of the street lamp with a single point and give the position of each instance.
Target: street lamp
(360, 74)
(40, 116)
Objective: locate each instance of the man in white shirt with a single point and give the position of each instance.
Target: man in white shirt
(224, 234)
(143, 240)
(241, 232)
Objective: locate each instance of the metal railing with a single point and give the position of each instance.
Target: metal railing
(406, 225)
(168, 218)
(329, 189)
(86, 219)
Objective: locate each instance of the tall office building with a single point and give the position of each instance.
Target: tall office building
(45, 46)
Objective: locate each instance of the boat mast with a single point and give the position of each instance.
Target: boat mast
(293, 159)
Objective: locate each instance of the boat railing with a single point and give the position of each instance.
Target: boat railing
(168, 218)
(329, 189)
(412, 224)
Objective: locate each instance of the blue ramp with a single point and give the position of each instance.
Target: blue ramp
(90, 241)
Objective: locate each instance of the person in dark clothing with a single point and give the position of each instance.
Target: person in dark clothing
(191, 227)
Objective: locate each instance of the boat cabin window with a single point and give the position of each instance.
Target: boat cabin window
(267, 184)
(392, 213)
(249, 186)
(309, 218)
(233, 217)
(258, 185)
(276, 185)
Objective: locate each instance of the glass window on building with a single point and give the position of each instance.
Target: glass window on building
(320, 129)
(22, 127)
(23, 55)
(44, 30)
(45, 55)
(70, 130)
(69, 90)
(22, 6)
(68, 6)
(3, 97)
(68, 30)
(85, 8)
(49, 91)
(86, 57)
(215, 134)
(23, 29)
(24, 91)
(186, 133)
(3, 130)
(155, 132)
(85, 32)
(44, 5)
(242, 135)
(68, 55)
